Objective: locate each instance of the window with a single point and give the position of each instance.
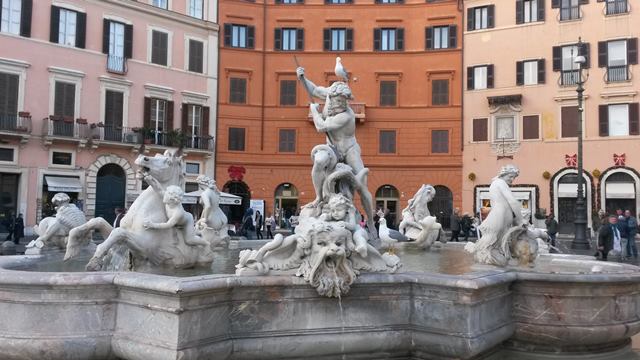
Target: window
(480, 130)
(236, 139)
(239, 36)
(564, 62)
(287, 92)
(117, 43)
(196, 56)
(9, 87)
(338, 39)
(439, 141)
(159, 47)
(238, 90)
(338, 1)
(569, 10)
(569, 119)
(619, 120)
(287, 140)
(289, 1)
(441, 37)
(195, 8)
(528, 11)
(288, 39)
(15, 17)
(389, 1)
(480, 77)
(616, 7)
(113, 115)
(616, 56)
(61, 158)
(158, 119)
(440, 92)
(192, 168)
(530, 127)
(388, 93)
(504, 128)
(388, 39)
(160, 3)
(387, 142)
(64, 99)
(67, 27)
(530, 72)
(7, 154)
(194, 120)
(481, 17)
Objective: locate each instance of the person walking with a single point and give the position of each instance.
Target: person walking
(18, 229)
(606, 237)
(259, 223)
(455, 225)
(270, 223)
(632, 230)
(552, 228)
(247, 223)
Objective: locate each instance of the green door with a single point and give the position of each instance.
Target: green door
(110, 191)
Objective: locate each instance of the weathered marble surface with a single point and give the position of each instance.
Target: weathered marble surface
(409, 315)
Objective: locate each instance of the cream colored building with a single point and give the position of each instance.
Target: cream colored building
(520, 102)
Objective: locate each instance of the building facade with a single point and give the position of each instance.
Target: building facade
(521, 106)
(404, 62)
(84, 83)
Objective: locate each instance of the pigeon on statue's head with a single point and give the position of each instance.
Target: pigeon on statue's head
(340, 71)
(389, 237)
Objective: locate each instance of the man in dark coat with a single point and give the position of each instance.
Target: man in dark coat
(606, 235)
(632, 230)
(18, 229)
(455, 225)
(552, 228)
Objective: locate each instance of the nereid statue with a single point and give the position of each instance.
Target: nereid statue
(417, 222)
(505, 232)
(329, 247)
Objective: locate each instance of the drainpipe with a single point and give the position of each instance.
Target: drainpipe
(462, 78)
(264, 76)
(216, 138)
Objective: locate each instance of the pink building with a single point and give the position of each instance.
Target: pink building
(84, 83)
(520, 103)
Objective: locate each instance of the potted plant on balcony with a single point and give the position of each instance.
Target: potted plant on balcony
(146, 133)
(176, 137)
(81, 121)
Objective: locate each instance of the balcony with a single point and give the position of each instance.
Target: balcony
(358, 110)
(569, 77)
(64, 129)
(114, 135)
(617, 73)
(116, 64)
(616, 7)
(176, 138)
(18, 126)
(570, 13)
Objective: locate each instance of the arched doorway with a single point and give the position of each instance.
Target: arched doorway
(235, 213)
(111, 183)
(442, 205)
(565, 192)
(388, 197)
(285, 202)
(618, 190)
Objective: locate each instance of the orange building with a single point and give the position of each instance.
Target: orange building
(404, 60)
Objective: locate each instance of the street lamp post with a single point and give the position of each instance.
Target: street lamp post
(580, 239)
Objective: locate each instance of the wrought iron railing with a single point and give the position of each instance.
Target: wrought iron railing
(617, 73)
(617, 7)
(116, 64)
(176, 138)
(64, 127)
(115, 133)
(19, 123)
(570, 13)
(569, 77)
(199, 142)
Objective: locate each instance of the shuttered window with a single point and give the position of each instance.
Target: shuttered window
(480, 77)
(287, 92)
(530, 127)
(64, 99)
(440, 92)
(68, 27)
(286, 140)
(480, 129)
(196, 56)
(619, 120)
(288, 39)
(388, 93)
(387, 142)
(238, 90)
(528, 11)
(388, 39)
(569, 121)
(15, 17)
(441, 37)
(337, 39)
(481, 17)
(439, 141)
(236, 139)
(113, 109)
(159, 47)
(8, 95)
(239, 36)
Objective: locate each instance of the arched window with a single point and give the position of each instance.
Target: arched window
(442, 205)
(239, 188)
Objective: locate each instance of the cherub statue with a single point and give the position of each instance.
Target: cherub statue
(54, 231)
(341, 209)
(212, 224)
(177, 218)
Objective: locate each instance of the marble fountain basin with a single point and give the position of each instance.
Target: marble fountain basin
(439, 306)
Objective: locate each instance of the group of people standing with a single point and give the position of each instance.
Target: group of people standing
(257, 224)
(15, 228)
(617, 234)
(462, 225)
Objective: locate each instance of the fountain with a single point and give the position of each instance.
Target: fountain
(443, 303)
